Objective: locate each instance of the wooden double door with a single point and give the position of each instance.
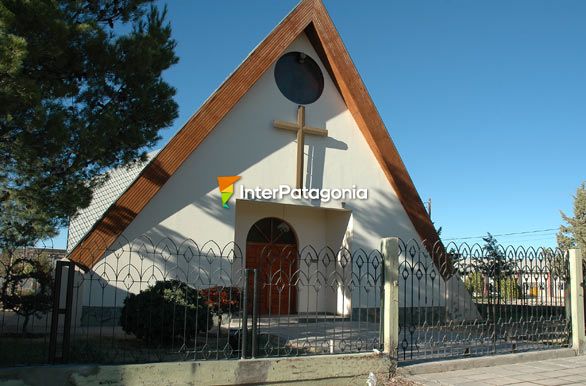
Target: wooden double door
(277, 273)
(271, 248)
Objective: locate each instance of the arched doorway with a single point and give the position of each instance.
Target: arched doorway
(271, 247)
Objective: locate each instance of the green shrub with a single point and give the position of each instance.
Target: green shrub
(509, 289)
(474, 283)
(169, 309)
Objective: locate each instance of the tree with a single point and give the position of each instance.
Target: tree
(495, 263)
(557, 263)
(499, 271)
(26, 275)
(27, 283)
(573, 234)
(80, 92)
(21, 227)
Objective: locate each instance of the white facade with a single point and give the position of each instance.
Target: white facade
(246, 144)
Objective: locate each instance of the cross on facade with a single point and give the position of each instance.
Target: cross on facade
(300, 128)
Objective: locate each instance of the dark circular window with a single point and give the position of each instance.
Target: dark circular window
(299, 78)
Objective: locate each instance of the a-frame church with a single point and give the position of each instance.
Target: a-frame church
(295, 113)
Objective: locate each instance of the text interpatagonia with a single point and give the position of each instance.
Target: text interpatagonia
(324, 194)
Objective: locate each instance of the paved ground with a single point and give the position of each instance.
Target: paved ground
(321, 334)
(564, 371)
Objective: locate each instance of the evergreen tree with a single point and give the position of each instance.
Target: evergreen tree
(80, 92)
(500, 270)
(495, 263)
(573, 233)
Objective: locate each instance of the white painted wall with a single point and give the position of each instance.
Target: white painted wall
(245, 143)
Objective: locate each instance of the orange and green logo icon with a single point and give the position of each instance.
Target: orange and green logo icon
(226, 184)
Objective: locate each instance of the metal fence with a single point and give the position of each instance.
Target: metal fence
(148, 301)
(584, 284)
(497, 299)
(26, 302)
(152, 301)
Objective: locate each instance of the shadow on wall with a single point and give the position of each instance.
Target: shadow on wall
(243, 132)
(316, 160)
(378, 217)
(138, 264)
(101, 292)
(119, 217)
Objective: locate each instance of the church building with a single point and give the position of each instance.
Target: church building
(289, 152)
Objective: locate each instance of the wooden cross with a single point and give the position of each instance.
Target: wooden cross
(300, 128)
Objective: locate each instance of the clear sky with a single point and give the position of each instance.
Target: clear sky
(485, 100)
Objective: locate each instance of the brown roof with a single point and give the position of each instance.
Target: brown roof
(311, 17)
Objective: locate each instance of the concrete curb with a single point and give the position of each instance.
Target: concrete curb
(487, 361)
(352, 369)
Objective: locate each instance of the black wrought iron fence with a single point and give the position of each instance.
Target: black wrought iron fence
(318, 301)
(584, 282)
(26, 285)
(148, 301)
(152, 301)
(496, 300)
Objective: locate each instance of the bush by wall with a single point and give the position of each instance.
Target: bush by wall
(166, 312)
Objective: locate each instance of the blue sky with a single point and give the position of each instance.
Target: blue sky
(485, 100)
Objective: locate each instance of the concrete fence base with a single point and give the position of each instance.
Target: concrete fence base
(441, 366)
(327, 369)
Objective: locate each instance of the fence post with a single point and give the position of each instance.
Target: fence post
(254, 312)
(244, 335)
(55, 312)
(390, 252)
(68, 309)
(58, 310)
(577, 300)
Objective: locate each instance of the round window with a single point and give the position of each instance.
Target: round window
(299, 78)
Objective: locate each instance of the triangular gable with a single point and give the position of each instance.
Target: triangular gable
(311, 17)
(119, 179)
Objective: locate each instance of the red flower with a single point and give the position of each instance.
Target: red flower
(221, 300)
